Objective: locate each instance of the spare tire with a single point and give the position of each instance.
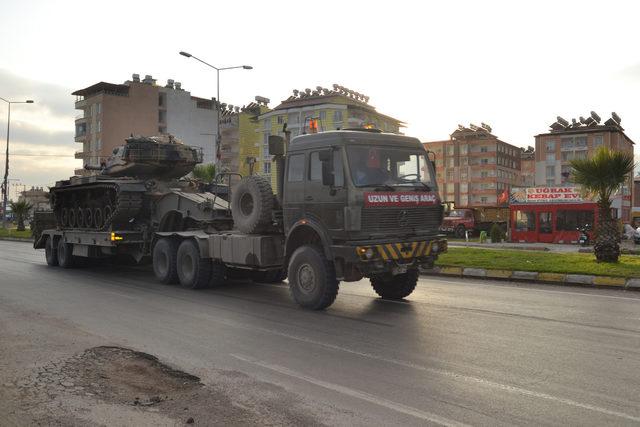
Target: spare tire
(252, 204)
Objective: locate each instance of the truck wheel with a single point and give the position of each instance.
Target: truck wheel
(65, 254)
(51, 252)
(218, 275)
(252, 204)
(270, 276)
(312, 278)
(459, 233)
(194, 271)
(164, 261)
(395, 287)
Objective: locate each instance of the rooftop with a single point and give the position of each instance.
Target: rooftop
(586, 125)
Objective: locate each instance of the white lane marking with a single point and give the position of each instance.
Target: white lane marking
(398, 407)
(521, 287)
(454, 375)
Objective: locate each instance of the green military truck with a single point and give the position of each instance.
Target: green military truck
(349, 204)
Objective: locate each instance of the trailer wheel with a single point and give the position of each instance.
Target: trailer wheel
(312, 278)
(194, 271)
(51, 252)
(252, 204)
(395, 287)
(164, 261)
(65, 254)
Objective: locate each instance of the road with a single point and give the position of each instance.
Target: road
(457, 352)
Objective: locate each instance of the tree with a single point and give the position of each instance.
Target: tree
(603, 175)
(205, 173)
(21, 209)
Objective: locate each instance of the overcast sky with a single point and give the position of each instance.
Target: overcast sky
(513, 65)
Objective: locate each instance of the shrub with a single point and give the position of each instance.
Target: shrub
(496, 234)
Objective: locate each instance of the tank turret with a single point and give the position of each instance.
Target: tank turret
(151, 157)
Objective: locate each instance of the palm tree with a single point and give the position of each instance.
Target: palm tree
(603, 175)
(21, 209)
(205, 173)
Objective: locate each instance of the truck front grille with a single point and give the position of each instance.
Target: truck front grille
(395, 219)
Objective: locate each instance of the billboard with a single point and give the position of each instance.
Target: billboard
(548, 195)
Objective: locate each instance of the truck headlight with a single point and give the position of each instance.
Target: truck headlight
(435, 247)
(369, 253)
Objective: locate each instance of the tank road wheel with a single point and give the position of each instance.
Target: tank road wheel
(51, 252)
(108, 211)
(194, 271)
(80, 218)
(65, 254)
(88, 217)
(64, 217)
(395, 287)
(98, 218)
(164, 261)
(252, 204)
(312, 279)
(459, 232)
(72, 218)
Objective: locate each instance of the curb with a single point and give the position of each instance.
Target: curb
(611, 282)
(16, 239)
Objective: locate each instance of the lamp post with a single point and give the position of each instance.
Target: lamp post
(5, 184)
(218, 69)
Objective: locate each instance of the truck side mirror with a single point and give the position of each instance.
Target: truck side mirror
(326, 159)
(276, 145)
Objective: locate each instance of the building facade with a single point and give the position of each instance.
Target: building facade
(580, 139)
(112, 112)
(475, 168)
(331, 109)
(527, 167)
(38, 197)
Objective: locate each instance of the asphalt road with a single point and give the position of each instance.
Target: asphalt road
(456, 352)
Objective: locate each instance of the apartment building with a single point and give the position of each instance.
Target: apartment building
(578, 140)
(474, 167)
(112, 112)
(333, 109)
(527, 167)
(243, 146)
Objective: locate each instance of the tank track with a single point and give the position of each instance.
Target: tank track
(96, 206)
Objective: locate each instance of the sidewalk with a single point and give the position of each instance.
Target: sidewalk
(551, 247)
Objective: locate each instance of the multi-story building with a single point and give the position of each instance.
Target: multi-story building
(474, 167)
(579, 140)
(38, 197)
(244, 149)
(112, 112)
(527, 167)
(332, 109)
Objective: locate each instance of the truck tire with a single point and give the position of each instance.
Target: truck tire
(218, 275)
(51, 252)
(194, 271)
(252, 204)
(460, 231)
(65, 254)
(395, 287)
(312, 278)
(164, 261)
(269, 276)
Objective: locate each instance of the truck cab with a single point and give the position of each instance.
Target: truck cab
(368, 200)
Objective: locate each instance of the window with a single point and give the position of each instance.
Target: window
(464, 174)
(581, 154)
(580, 142)
(266, 167)
(463, 149)
(450, 162)
(484, 174)
(567, 143)
(338, 169)
(296, 168)
(280, 120)
(450, 149)
(464, 187)
(570, 220)
(315, 167)
(162, 116)
(551, 157)
(322, 115)
(551, 182)
(484, 161)
(484, 149)
(99, 126)
(464, 200)
(484, 199)
(597, 141)
(450, 174)
(162, 100)
(550, 146)
(464, 161)
(450, 187)
(265, 147)
(99, 144)
(567, 156)
(525, 221)
(551, 171)
(337, 116)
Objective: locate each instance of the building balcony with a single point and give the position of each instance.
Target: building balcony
(81, 104)
(81, 118)
(81, 137)
(81, 155)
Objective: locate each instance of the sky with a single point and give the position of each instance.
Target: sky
(513, 65)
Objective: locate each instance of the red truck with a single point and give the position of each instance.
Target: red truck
(458, 221)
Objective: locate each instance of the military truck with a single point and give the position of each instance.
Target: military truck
(349, 204)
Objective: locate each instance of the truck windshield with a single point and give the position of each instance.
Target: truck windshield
(456, 214)
(389, 166)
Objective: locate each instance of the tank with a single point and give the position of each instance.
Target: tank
(120, 195)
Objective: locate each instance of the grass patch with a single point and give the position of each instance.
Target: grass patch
(547, 262)
(12, 232)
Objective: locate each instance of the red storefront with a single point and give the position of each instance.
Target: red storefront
(549, 214)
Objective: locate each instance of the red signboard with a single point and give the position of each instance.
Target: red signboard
(407, 199)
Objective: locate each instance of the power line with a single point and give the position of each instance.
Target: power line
(37, 155)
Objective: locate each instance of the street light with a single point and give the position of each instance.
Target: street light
(218, 69)
(5, 186)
